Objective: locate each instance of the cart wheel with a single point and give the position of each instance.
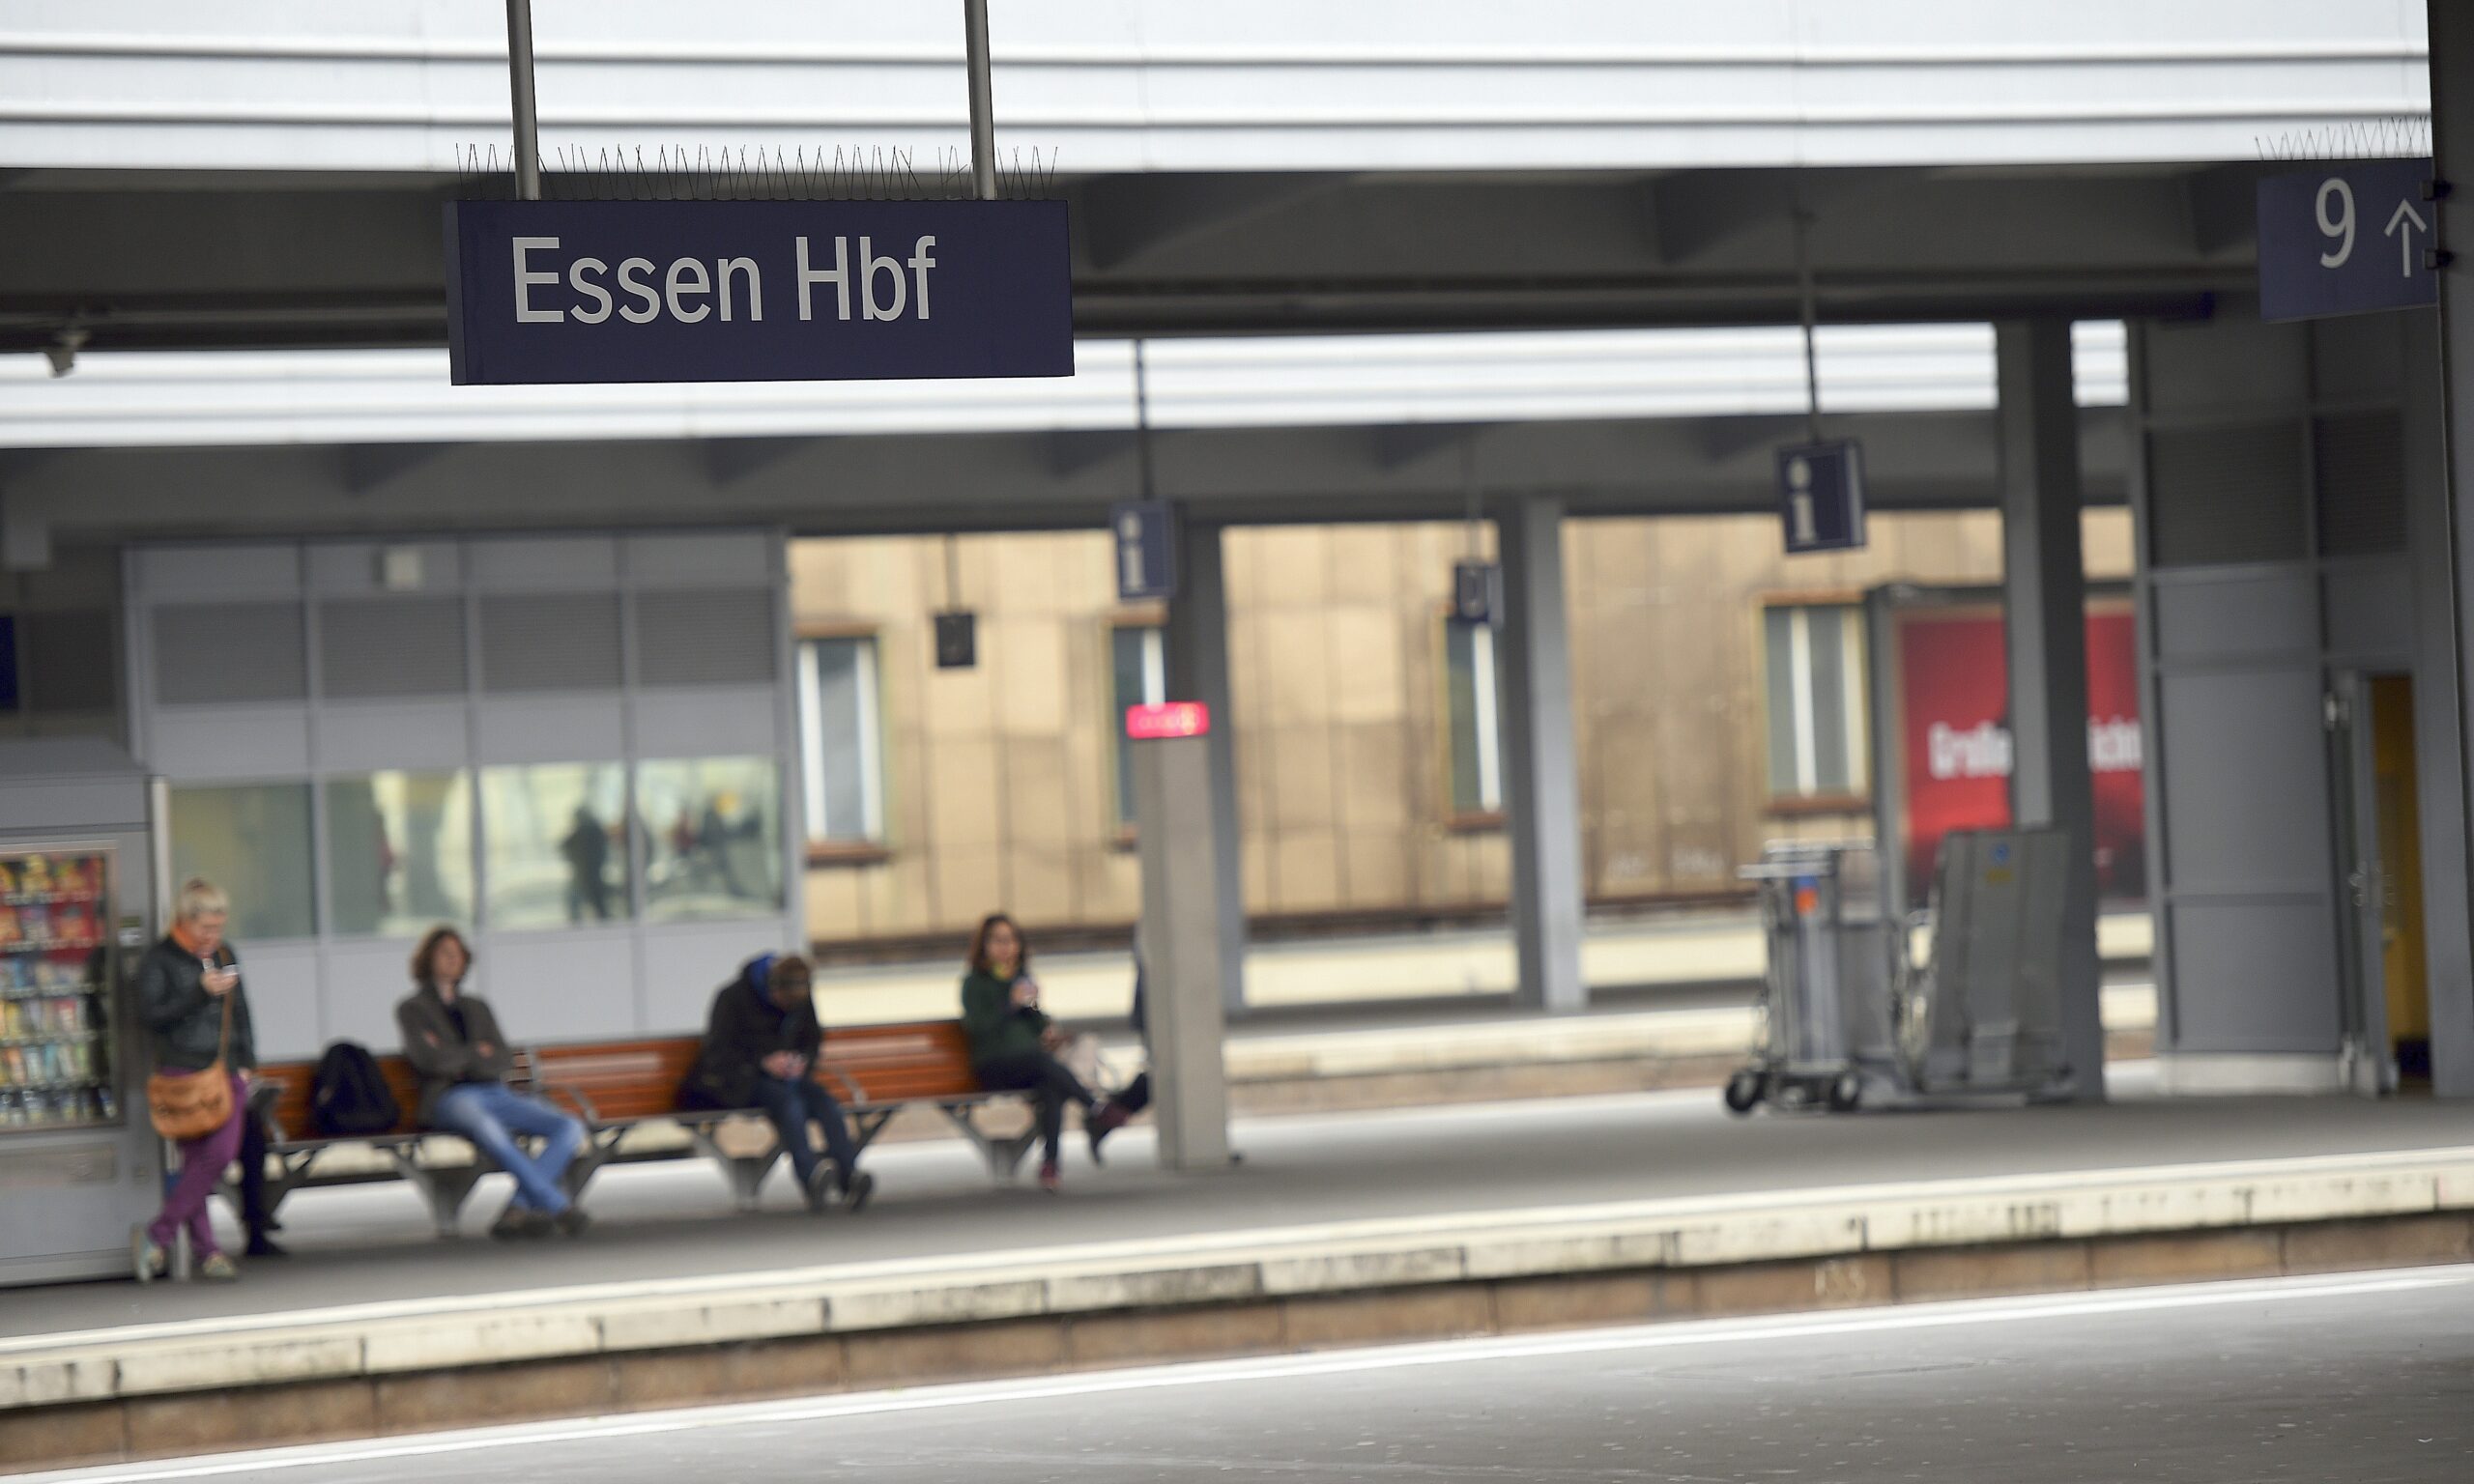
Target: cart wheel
(1846, 1092)
(1744, 1091)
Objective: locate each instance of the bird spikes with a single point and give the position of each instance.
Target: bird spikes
(2397, 136)
(853, 172)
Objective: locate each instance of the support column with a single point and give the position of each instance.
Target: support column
(2442, 720)
(1196, 645)
(1541, 781)
(2045, 602)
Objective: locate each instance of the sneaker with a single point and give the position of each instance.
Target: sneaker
(573, 1221)
(219, 1269)
(1050, 1177)
(518, 1222)
(855, 1191)
(1107, 1120)
(820, 1188)
(152, 1260)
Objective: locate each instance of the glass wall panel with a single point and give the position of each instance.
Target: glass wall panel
(399, 852)
(253, 841)
(555, 844)
(713, 834)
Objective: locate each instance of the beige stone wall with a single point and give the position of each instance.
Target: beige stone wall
(999, 779)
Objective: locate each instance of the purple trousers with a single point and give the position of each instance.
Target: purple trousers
(203, 1162)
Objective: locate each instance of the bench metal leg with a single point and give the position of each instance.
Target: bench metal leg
(600, 1147)
(865, 1127)
(745, 1172)
(444, 1189)
(1004, 1155)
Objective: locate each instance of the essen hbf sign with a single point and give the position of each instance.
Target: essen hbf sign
(746, 291)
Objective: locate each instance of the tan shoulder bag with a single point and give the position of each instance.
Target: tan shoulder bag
(190, 1105)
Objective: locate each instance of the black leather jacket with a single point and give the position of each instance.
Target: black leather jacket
(185, 1019)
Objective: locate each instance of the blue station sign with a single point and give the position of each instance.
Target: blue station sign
(1821, 495)
(562, 291)
(1146, 542)
(2352, 238)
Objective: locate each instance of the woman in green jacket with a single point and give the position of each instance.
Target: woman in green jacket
(1014, 1043)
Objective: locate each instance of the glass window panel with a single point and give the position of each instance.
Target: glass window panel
(1468, 772)
(1778, 674)
(1134, 661)
(554, 843)
(842, 763)
(712, 828)
(1831, 769)
(253, 839)
(399, 852)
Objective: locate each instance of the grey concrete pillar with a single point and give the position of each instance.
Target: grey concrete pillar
(1196, 646)
(2442, 723)
(1181, 955)
(2440, 762)
(2045, 600)
(1541, 782)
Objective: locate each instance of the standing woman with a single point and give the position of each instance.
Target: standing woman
(188, 986)
(1014, 1043)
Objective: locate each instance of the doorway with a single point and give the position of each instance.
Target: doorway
(2380, 886)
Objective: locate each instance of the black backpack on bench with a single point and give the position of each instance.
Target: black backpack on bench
(349, 1097)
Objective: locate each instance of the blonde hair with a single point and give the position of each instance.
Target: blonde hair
(200, 896)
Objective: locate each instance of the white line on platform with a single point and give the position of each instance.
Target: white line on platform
(1667, 1336)
(1250, 1244)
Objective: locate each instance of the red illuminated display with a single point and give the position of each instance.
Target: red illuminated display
(1172, 719)
(1955, 734)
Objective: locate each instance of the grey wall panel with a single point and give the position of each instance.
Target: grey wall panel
(2370, 611)
(2236, 617)
(369, 736)
(364, 978)
(282, 980)
(552, 987)
(2247, 802)
(685, 964)
(196, 743)
(378, 646)
(562, 564)
(351, 568)
(80, 806)
(2356, 356)
(215, 573)
(707, 636)
(536, 643)
(2254, 977)
(707, 724)
(206, 653)
(2224, 362)
(583, 729)
(721, 558)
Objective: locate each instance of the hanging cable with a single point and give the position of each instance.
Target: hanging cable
(1469, 489)
(1143, 420)
(1804, 220)
(953, 572)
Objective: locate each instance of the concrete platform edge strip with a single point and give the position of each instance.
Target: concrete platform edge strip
(1329, 1262)
(809, 1363)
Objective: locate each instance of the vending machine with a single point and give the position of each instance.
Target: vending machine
(79, 1164)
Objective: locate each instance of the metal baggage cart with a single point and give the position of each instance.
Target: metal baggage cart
(1824, 1030)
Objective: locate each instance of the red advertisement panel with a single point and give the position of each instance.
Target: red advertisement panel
(1955, 732)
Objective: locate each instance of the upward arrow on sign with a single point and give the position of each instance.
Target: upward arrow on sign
(2405, 213)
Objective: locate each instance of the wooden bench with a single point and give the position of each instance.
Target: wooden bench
(618, 1087)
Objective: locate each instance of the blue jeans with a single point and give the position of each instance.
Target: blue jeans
(491, 1115)
(790, 1106)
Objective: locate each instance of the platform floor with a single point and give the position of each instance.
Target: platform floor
(369, 1244)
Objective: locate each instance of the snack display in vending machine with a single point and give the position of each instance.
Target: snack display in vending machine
(58, 1050)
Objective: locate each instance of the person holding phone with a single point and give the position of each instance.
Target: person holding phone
(183, 984)
(1014, 1042)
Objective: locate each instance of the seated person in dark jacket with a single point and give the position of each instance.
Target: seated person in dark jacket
(761, 1046)
(1014, 1043)
(453, 1041)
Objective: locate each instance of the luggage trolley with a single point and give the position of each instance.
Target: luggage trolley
(1824, 1030)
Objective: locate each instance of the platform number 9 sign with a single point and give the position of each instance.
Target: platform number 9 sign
(2341, 224)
